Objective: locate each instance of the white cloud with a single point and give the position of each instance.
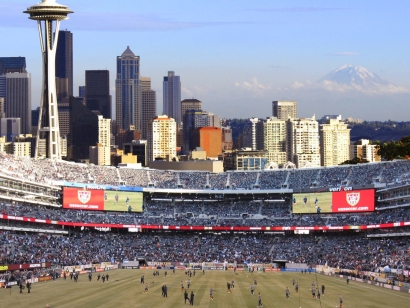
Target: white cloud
(195, 90)
(332, 86)
(253, 86)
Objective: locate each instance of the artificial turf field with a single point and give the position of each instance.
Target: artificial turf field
(124, 290)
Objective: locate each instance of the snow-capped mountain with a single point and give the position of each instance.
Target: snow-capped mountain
(358, 78)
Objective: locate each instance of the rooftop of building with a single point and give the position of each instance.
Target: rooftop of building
(12, 63)
(191, 100)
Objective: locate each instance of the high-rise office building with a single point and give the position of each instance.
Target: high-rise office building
(97, 92)
(275, 140)
(334, 142)
(303, 142)
(64, 60)
(18, 99)
(12, 65)
(2, 108)
(10, 128)
(61, 89)
(83, 130)
(209, 139)
(128, 91)
(227, 142)
(284, 110)
(161, 139)
(149, 105)
(172, 97)
(253, 136)
(81, 91)
(194, 119)
(190, 104)
(100, 153)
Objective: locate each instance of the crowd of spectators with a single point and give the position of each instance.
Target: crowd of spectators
(47, 172)
(191, 213)
(347, 251)
(351, 251)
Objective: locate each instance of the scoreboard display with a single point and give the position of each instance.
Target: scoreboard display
(343, 201)
(102, 200)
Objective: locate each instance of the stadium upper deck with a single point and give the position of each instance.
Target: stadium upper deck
(50, 172)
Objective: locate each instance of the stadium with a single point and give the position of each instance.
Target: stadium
(336, 222)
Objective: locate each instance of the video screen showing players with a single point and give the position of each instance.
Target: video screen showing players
(349, 201)
(102, 200)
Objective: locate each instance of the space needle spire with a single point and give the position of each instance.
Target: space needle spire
(48, 13)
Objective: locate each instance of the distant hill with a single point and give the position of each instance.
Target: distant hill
(383, 131)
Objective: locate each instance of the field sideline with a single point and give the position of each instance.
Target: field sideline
(124, 290)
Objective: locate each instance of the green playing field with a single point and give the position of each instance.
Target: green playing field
(324, 201)
(119, 201)
(124, 290)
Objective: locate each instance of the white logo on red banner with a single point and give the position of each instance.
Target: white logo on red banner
(84, 196)
(353, 198)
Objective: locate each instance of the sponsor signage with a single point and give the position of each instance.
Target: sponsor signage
(336, 200)
(83, 199)
(353, 201)
(138, 228)
(101, 200)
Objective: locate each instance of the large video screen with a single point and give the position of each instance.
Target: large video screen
(101, 200)
(342, 201)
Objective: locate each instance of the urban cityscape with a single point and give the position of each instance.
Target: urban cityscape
(129, 127)
(280, 196)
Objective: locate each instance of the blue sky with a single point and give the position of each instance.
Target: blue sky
(236, 56)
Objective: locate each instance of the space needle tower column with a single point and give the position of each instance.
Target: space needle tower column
(48, 13)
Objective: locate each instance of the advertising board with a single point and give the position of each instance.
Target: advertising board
(101, 200)
(340, 201)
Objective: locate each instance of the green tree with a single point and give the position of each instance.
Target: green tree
(394, 149)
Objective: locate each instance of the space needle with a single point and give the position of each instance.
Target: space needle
(51, 13)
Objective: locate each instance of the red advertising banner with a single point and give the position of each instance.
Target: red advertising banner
(83, 199)
(353, 201)
(206, 228)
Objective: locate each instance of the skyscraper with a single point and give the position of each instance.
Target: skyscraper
(128, 91)
(209, 139)
(190, 104)
(195, 119)
(283, 110)
(303, 142)
(83, 130)
(149, 105)
(334, 142)
(275, 140)
(100, 153)
(12, 65)
(172, 97)
(253, 136)
(162, 138)
(18, 99)
(64, 60)
(97, 92)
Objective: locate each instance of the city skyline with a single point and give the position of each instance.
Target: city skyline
(237, 63)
